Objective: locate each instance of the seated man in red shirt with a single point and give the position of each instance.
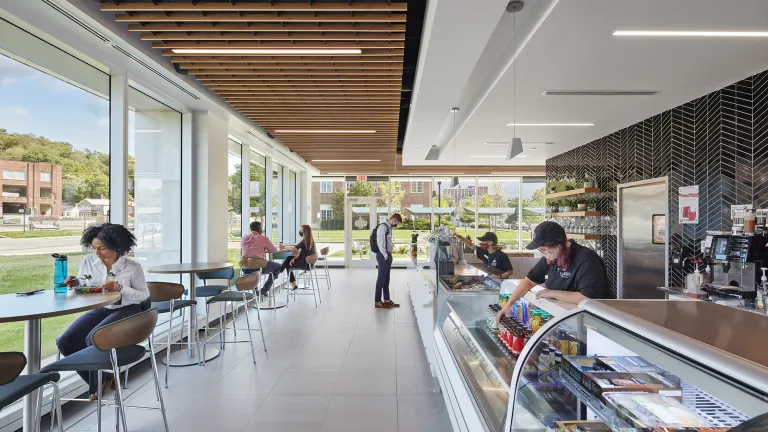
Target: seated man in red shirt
(254, 245)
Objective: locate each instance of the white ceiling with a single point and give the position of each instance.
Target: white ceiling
(567, 45)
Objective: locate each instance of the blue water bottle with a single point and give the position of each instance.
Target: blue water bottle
(60, 273)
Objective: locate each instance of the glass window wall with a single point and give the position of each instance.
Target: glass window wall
(277, 201)
(49, 130)
(154, 181)
(499, 201)
(327, 216)
(258, 188)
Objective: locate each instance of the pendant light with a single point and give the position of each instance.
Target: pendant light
(516, 146)
(454, 180)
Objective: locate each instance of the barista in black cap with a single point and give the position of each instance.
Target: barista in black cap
(570, 272)
(489, 251)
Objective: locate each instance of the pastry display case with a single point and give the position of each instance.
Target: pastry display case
(642, 365)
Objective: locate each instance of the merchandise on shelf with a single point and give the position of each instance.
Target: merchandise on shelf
(602, 383)
(582, 426)
(650, 410)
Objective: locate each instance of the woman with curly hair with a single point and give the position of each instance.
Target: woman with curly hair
(108, 267)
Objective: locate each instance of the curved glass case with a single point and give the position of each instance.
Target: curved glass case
(642, 365)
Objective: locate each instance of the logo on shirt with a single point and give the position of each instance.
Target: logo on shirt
(493, 263)
(565, 275)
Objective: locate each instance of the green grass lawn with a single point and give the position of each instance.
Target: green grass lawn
(27, 272)
(41, 233)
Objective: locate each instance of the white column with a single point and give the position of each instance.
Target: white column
(188, 190)
(477, 204)
(268, 199)
(305, 190)
(287, 228)
(520, 215)
(118, 149)
(210, 181)
(245, 190)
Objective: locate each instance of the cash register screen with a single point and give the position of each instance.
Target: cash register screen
(721, 248)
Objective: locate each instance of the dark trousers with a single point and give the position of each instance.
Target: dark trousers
(78, 336)
(272, 267)
(382, 281)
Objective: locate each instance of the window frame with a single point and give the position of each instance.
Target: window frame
(419, 189)
(324, 189)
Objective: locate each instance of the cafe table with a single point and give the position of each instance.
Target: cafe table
(272, 303)
(179, 358)
(32, 309)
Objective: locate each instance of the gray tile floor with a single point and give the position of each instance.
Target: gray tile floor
(343, 366)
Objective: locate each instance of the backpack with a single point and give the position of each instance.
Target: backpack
(374, 240)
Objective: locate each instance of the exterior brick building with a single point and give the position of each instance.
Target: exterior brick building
(458, 193)
(33, 185)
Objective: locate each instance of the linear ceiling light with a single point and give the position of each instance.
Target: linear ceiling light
(272, 51)
(600, 93)
(671, 33)
(488, 156)
(550, 124)
(346, 160)
(506, 143)
(319, 131)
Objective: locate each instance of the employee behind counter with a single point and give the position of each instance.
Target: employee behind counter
(489, 251)
(569, 272)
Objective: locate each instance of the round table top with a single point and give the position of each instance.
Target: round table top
(49, 304)
(196, 267)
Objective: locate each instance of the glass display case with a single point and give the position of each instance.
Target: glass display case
(642, 365)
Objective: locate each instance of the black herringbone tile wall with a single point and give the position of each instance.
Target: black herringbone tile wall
(718, 141)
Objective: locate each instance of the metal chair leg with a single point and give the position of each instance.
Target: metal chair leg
(157, 382)
(234, 317)
(57, 402)
(98, 402)
(168, 349)
(317, 283)
(205, 341)
(39, 408)
(261, 329)
(250, 332)
(125, 383)
(118, 389)
(327, 273)
(312, 283)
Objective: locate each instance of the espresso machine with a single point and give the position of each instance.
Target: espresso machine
(735, 262)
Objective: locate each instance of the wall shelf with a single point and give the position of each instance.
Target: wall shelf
(574, 192)
(583, 236)
(575, 214)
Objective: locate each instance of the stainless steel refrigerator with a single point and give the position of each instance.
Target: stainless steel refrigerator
(642, 243)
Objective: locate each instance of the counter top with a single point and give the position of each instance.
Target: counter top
(470, 270)
(747, 305)
(554, 307)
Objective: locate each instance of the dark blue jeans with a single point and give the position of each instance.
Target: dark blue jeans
(274, 268)
(78, 336)
(382, 281)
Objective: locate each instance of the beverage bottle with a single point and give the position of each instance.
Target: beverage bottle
(60, 273)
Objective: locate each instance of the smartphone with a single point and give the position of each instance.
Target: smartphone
(29, 293)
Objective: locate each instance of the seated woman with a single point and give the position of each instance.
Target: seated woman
(109, 268)
(301, 251)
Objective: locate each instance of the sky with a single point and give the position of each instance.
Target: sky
(34, 102)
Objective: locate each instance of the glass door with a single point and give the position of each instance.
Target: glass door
(360, 218)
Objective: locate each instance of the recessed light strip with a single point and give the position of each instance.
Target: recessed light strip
(674, 33)
(552, 124)
(272, 51)
(322, 131)
(489, 156)
(346, 160)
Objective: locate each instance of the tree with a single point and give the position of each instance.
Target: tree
(359, 189)
(396, 194)
(235, 198)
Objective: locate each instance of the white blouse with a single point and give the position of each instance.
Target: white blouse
(126, 272)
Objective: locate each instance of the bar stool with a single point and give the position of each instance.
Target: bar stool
(166, 298)
(14, 386)
(307, 271)
(244, 285)
(208, 291)
(116, 345)
(326, 275)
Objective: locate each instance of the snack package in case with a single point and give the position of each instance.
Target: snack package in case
(581, 426)
(628, 364)
(650, 410)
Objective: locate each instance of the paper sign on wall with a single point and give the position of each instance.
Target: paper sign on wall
(688, 199)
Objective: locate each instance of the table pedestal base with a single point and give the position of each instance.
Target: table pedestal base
(271, 304)
(180, 358)
(32, 349)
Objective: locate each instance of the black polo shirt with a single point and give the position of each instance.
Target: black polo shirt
(585, 274)
(498, 259)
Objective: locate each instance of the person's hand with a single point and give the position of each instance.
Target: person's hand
(502, 313)
(495, 276)
(293, 261)
(112, 285)
(547, 294)
(72, 282)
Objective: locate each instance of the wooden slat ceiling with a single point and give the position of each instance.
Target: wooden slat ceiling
(290, 91)
(298, 91)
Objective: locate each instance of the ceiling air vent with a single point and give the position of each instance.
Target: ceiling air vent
(77, 21)
(153, 70)
(600, 93)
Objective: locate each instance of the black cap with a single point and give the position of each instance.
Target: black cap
(489, 236)
(547, 232)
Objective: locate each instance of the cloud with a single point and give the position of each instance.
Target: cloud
(11, 70)
(14, 111)
(103, 122)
